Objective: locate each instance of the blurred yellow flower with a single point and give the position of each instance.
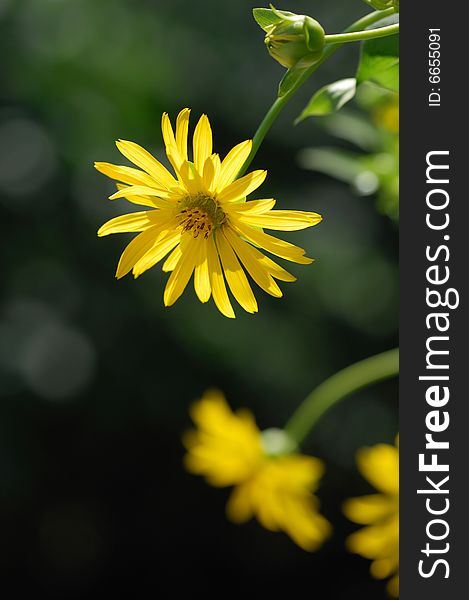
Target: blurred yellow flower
(379, 541)
(276, 487)
(202, 219)
(387, 115)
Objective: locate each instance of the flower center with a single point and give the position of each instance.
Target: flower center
(200, 215)
(276, 442)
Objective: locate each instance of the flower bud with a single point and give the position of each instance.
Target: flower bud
(295, 38)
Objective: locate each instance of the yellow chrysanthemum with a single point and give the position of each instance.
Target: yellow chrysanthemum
(228, 449)
(201, 219)
(379, 541)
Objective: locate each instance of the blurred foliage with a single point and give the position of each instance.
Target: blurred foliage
(95, 375)
(374, 129)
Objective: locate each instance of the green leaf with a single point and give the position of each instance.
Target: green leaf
(339, 164)
(329, 99)
(265, 17)
(354, 128)
(389, 20)
(291, 78)
(379, 62)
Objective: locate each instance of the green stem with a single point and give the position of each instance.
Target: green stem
(342, 38)
(339, 386)
(279, 103)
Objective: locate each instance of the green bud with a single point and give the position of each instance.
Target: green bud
(294, 38)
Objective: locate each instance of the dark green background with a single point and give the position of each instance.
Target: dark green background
(96, 375)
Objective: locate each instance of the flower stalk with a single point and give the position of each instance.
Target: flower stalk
(369, 34)
(341, 385)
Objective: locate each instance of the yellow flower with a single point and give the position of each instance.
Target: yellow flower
(201, 219)
(379, 541)
(277, 488)
(387, 116)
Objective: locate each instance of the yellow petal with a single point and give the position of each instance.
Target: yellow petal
(140, 200)
(182, 129)
(282, 220)
(179, 278)
(211, 411)
(210, 173)
(272, 244)
(138, 221)
(393, 587)
(125, 174)
(189, 177)
(172, 150)
(307, 528)
(380, 466)
(161, 198)
(232, 163)
(226, 446)
(159, 250)
(242, 187)
(220, 295)
(216, 166)
(376, 541)
(143, 159)
(202, 143)
(172, 260)
(238, 508)
(201, 275)
(255, 207)
(253, 265)
(282, 498)
(368, 509)
(136, 249)
(235, 275)
(302, 471)
(384, 567)
(167, 130)
(275, 270)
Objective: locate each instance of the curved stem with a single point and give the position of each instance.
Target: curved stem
(341, 38)
(339, 386)
(279, 103)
